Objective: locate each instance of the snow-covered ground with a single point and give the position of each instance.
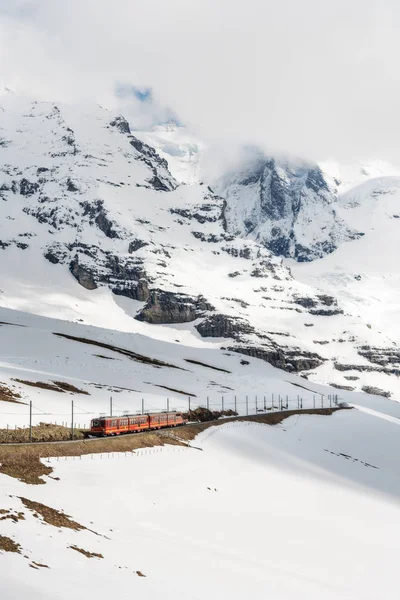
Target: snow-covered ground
(308, 509)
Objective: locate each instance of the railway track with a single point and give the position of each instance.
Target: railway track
(165, 430)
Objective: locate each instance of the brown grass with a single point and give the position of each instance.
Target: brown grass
(51, 516)
(24, 462)
(86, 553)
(36, 565)
(43, 385)
(68, 387)
(140, 574)
(53, 386)
(44, 432)
(9, 395)
(13, 516)
(8, 545)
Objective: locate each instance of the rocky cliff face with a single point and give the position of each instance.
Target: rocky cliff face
(289, 207)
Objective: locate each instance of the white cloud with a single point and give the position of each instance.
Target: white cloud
(315, 78)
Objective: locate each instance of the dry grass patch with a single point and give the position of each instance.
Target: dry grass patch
(86, 553)
(9, 395)
(43, 385)
(68, 387)
(12, 515)
(8, 545)
(36, 565)
(53, 386)
(51, 516)
(44, 432)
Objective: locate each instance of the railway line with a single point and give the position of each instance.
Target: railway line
(266, 417)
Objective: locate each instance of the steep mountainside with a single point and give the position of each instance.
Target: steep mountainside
(287, 207)
(94, 227)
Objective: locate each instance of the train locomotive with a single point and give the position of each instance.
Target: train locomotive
(105, 426)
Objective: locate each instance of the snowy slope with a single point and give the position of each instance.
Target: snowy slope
(95, 229)
(306, 510)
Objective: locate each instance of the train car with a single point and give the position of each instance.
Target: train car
(104, 426)
(167, 419)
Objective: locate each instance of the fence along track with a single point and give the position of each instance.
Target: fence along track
(271, 418)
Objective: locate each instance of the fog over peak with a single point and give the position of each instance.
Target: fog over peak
(314, 79)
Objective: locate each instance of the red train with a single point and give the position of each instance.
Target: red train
(103, 426)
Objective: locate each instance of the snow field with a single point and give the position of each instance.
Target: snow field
(263, 511)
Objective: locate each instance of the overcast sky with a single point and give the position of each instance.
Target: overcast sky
(317, 78)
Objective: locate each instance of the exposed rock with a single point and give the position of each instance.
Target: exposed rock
(381, 356)
(305, 302)
(135, 245)
(282, 358)
(105, 225)
(368, 389)
(121, 124)
(27, 188)
(82, 275)
(140, 291)
(167, 307)
(283, 199)
(223, 326)
(347, 388)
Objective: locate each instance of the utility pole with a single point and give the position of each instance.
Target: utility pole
(189, 405)
(167, 405)
(72, 419)
(235, 405)
(30, 421)
(208, 403)
(265, 405)
(222, 404)
(110, 406)
(247, 405)
(142, 406)
(256, 406)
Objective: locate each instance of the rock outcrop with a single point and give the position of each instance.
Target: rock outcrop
(167, 307)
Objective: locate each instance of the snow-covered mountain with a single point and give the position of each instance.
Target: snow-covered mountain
(96, 229)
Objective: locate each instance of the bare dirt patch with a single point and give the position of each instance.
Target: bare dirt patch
(86, 552)
(8, 545)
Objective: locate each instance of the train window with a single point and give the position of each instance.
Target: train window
(95, 423)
